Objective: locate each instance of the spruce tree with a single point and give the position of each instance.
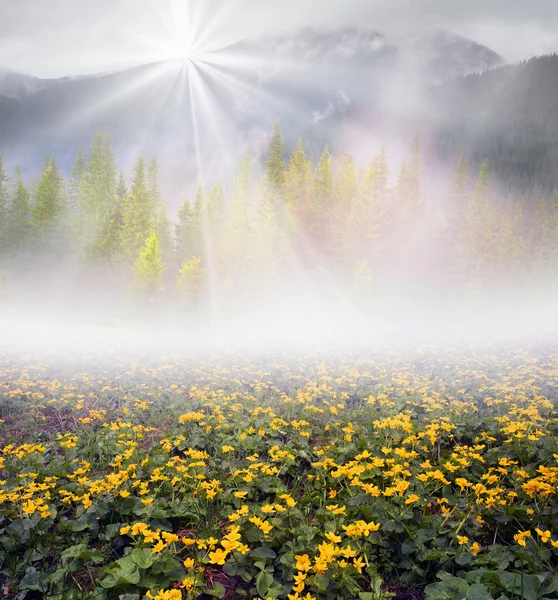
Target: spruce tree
(185, 234)
(322, 191)
(298, 181)
(459, 190)
(322, 203)
(97, 210)
(137, 214)
(190, 282)
(49, 207)
(162, 226)
(121, 189)
(148, 268)
(78, 168)
(19, 217)
(275, 165)
(238, 237)
(4, 205)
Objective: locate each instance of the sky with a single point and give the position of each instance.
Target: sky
(55, 38)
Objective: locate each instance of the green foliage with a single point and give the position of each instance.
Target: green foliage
(148, 268)
(4, 205)
(137, 214)
(275, 165)
(366, 477)
(331, 215)
(97, 212)
(19, 224)
(49, 207)
(298, 181)
(191, 280)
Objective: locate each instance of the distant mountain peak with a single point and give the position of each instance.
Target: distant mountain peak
(18, 85)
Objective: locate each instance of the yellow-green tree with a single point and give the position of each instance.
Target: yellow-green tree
(191, 282)
(148, 269)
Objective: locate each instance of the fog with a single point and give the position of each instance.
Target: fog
(359, 248)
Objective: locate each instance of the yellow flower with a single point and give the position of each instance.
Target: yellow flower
(150, 537)
(412, 498)
(358, 563)
(463, 539)
(240, 495)
(160, 545)
(289, 500)
(521, 537)
(218, 557)
(189, 563)
(169, 537)
(475, 548)
(225, 449)
(303, 562)
(544, 535)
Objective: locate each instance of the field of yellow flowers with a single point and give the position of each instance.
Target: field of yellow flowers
(430, 474)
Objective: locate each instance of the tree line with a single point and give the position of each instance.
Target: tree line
(368, 230)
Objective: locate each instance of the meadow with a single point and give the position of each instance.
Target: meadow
(429, 473)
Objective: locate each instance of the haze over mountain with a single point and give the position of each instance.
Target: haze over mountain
(239, 91)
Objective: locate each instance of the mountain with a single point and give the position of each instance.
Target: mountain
(227, 98)
(18, 86)
(508, 115)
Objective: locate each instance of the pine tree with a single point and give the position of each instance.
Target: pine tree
(74, 184)
(459, 191)
(97, 210)
(477, 237)
(322, 191)
(190, 281)
(4, 205)
(148, 268)
(322, 203)
(162, 226)
(49, 207)
(215, 204)
(185, 232)
(275, 166)
(19, 217)
(137, 214)
(238, 240)
(121, 189)
(408, 193)
(298, 181)
(153, 186)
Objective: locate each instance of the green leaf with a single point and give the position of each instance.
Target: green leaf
(253, 534)
(275, 590)
(121, 572)
(33, 580)
(478, 592)
(451, 588)
(263, 552)
(143, 557)
(263, 582)
(218, 591)
(463, 559)
(75, 551)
